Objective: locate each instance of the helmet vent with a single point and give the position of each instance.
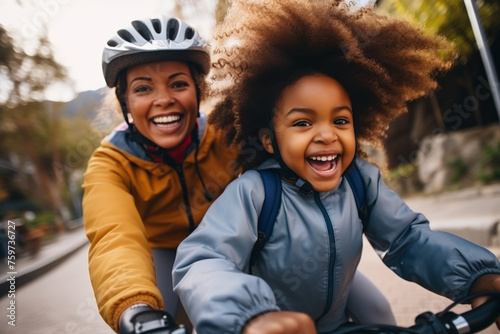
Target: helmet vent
(189, 33)
(172, 29)
(143, 30)
(126, 36)
(156, 25)
(112, 43)
(150, 40)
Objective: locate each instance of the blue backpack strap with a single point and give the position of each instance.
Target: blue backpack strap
(353, 176)
(270, 208)
(272, 204)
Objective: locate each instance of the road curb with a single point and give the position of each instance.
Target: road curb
(27, 274)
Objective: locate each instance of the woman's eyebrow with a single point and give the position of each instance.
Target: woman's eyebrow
(177, 74)
(141, 78)
(149, 79)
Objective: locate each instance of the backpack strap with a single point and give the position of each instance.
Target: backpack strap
(353, 176)
(272, 203)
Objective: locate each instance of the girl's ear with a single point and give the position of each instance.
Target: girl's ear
(265, 138)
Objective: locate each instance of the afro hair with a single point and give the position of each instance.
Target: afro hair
(262, 46)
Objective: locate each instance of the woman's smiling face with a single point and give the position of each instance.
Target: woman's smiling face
(161, 98)
(314, 130)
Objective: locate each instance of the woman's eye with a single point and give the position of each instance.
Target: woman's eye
(180, 84)
(141, 89)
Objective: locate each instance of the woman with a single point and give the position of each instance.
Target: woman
(151, 180)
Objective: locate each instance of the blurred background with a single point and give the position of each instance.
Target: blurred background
(53, 114)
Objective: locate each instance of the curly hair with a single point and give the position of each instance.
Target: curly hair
(263, 46)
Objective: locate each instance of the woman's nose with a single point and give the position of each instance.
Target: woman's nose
(163, 98)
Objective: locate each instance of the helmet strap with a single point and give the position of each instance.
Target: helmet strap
(286, 172)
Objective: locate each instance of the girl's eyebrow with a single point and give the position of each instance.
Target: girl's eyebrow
(308, 110)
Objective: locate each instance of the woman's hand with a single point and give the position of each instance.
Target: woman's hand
(485, 283)
(281, 322)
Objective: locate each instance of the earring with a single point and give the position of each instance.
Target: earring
(130, 118)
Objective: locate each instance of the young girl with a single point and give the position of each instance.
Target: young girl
(302, 85)
(150, 182)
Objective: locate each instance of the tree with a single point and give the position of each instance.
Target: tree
(26, 76)
(463, 99)
(221, 9)
(28, 131)
(448, 18)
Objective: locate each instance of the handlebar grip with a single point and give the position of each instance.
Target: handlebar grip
(477, 319)
(143, 319)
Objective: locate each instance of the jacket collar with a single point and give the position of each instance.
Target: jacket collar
(138, 155)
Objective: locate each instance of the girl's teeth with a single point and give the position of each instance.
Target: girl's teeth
(324, 163)
(324, 158)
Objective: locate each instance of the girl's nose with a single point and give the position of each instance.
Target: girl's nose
(326, 134)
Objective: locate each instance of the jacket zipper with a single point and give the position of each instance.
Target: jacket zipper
(182, 179)
(331, 236)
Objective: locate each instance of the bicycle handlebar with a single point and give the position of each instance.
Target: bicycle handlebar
(477, 319)
(445, 322)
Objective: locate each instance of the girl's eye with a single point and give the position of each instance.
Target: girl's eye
(341, 121)
(301, 123)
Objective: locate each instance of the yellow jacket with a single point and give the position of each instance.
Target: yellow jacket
(132, 204)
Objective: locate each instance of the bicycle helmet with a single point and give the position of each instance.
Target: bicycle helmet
(153, 39)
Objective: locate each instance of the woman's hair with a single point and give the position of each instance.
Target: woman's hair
(263, 46)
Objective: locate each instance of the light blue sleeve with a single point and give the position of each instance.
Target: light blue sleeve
(209, 273)
(440, 262)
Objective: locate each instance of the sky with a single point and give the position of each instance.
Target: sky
(79, 29)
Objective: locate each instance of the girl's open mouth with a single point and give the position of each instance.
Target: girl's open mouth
(324, 163)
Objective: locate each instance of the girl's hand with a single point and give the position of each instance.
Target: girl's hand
(485, 283)
(281, 323)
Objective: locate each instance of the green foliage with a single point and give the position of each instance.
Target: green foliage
(402, 171)
(490, 164)
(32, 133)
(26, 76)
(221, 9)
(41, 219)
(448, 18)
(459, 170)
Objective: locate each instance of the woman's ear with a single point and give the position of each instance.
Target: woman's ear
(130, 118)
(265, 138)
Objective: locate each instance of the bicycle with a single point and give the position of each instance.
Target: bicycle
(444, 322)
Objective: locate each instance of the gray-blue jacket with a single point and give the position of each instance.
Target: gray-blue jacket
(310, 259)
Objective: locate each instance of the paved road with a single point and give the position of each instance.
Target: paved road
(406, 298)
(59, 302)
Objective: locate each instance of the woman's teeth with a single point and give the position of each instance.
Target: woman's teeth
(166, 119)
